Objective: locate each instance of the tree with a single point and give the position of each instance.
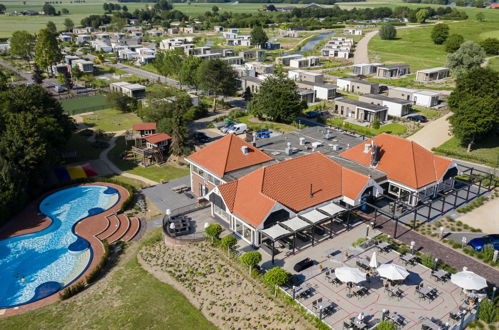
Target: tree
(422, 15)
(175, 124)
(76, 73)
(487, 312)
(124, 8)
(217, 77)
(122, 102)
(51, 27)
(67, 81)
(376, 123)
(49, 10)
(387, 32)
(247, 95)
(277, 100)
(251, 259)
(47, 52)
(187, 73)
(22, 44)
(469, 55)
(69, 24)
(64, 11)
(228, 242)
(258, 36)
(168, 62)
(33, 132)
(474, 103)
(2, 8)
(453, 43)
(37, 75)
(480, 17)
(440, 33)
(214, 9)
(491, 46)
(276, 277)
(213, 231)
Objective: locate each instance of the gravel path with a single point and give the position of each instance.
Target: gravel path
(361, 54)
(433, 134)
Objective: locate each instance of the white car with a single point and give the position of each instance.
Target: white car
(238, 129)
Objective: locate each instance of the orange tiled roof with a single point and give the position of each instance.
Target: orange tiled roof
(157, 138)
(402, 160)
(298, 184)
(144, 126)
(225, 155)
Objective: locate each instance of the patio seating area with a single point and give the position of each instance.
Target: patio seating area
(424, 299)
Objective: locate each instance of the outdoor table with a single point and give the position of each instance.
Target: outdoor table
(383, 246)
(425, 291)
(395, 292)
(396, 317)
(358, 323)
(359, 291)
(429, 324)
(363, 263)
(456, 313)
(440, 275)
(408, 258)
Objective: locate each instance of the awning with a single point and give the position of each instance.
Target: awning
(276, 232)
(314, 216)
(332, 209)
(295, 224)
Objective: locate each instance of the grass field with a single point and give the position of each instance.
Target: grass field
(78, 105)
(486, 152)
(85, 150)
(111, 120)
(494, 64)
(127, 297)
(415, 47)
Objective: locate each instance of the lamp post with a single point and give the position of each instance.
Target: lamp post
(442, 232)
(435, 266)
(493, 293)
(367, 231)
(412, 246)
(464, 241)
(383, 314)
(206, 225)
(294, 292)
(320, 312)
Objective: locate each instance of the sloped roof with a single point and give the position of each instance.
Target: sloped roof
(225, 155)
(158, 137)
(144, 126)
(298, 184)
(402, 160)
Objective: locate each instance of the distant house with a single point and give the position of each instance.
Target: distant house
(83, 65)
(187, 30)
(393, 71)
(252, 83)
(355, 32)
(82, 38)
(432, 74)
(285, 60)
(102, 46)
(131, 90)
(157, 140)
(358, 86)
(306, 95)
(252, 55)
(418, 97)
(305, 62)
(360, 111)
(365, 69)
(396, 107)
(145, 129)
(218, 28)
(315, 82)
(272, 45)
(65, 38)
(233, 60)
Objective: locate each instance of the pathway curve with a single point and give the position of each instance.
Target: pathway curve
(433, 134)
(105, 159)
(361, 54)
(487, 60)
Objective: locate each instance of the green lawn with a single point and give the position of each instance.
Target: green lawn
(494, 64)
(409, 82)
(85, 150)
(394, 128)
(278, 127)
(128, 297)
(155, 173)
(111, 120)
(78, 105)
(486, 152)
(428, 113)
(415, 47)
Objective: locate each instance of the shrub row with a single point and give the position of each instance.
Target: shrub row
(92, 277)
(72, 290)
(473, 205)
(452, 153)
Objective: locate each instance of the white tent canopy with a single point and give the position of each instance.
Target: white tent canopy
(295, 224)
(276, 232)
(314, 216)
(331, 209)
(392, 272)
(349, 274)
(468, 280)
(373, 263)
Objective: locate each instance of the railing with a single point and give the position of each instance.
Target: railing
(186, 209)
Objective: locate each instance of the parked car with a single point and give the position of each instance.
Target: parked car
(200, 137)
(304, 264)
(59, 89)
(312, 114)
(228, 125)
(479, 243)
(238, 129)
(418, 118)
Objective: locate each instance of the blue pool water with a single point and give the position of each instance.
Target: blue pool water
(34, 266)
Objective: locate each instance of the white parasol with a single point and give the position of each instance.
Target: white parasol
(373, 263)
(349, 274)
(392, 272)
(468, 280)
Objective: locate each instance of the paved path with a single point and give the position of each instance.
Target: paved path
(448, 255)
(361, 54)
(433, 134)
(487, 60)
(25, 75)
(104, 158)
(483, 217)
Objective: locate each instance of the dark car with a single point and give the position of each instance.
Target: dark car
(312, 114)
(304, 264)
(480, 242)
(418, 118)
(200, 138)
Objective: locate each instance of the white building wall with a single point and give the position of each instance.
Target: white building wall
(343, 84)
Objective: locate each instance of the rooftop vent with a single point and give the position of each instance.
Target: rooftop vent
(328, 135)
(302, 141)
(245, 150)
(288, 149)
(367, 147)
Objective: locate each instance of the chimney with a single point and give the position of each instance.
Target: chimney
(302, 141)
(288, 149)
(367, 146)
(245, 150)
(327, 136)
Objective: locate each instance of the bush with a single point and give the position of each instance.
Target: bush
(488, 253)
(473, 205)
(453, 43)
(92, 277)
(214, 231)
(359, 241)
(228, 242)
(440, 33)
(387, 32)
(385, 325)
(276, 276)
(72, 290)
(428, 260)
(376, 124)
(236, 113)
(487, 312)
(251, 259)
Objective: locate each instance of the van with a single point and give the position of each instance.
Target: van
(238, 129)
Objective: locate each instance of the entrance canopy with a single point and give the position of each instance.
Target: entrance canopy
(295, 224)
(314, 216)
(331, 209)
(276, 232)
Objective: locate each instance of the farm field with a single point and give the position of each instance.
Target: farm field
(415, 47)
(111, 120)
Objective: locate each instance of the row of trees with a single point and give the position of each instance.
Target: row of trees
(440, 34)
(33, 130)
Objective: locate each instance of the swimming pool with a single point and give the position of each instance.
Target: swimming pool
(36, 265)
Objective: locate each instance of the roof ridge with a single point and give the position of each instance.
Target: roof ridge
(231, 137)
(414, 163)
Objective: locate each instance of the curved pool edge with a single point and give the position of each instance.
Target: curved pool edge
(83, 229)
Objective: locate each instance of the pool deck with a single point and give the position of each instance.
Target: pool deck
(30, 221)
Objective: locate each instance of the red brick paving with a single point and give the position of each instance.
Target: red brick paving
(28, 221)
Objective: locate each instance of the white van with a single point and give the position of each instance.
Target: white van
(238, 129)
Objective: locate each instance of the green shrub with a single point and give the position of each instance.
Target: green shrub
(359, 241)
(276, 277)
(236, 113)
(487, 312)
(385, 325)
(92, 277)
(72, 290)
(428, 260)
(214, 231)
(86, 132)
(473, 205)
(488, 253)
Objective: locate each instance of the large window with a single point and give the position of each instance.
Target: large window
(208, 177)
